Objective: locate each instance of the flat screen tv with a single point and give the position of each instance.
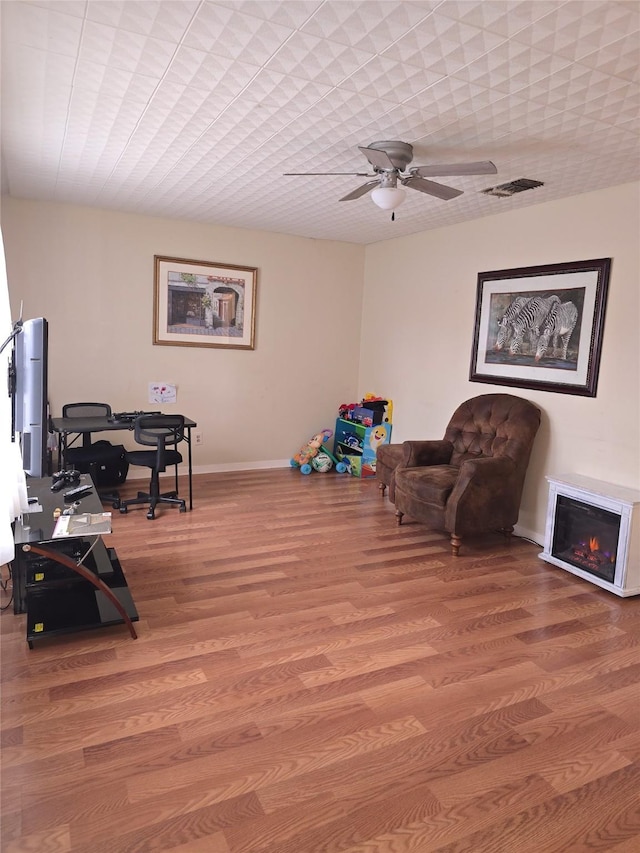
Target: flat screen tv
(30, 407)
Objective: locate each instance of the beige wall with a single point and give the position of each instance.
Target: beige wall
(90, 273)
(418, 320)
(320, 342)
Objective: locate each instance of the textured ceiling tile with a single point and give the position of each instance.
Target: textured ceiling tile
(587, 92)
(442, 45)
(316, 59)
(319, 153)
(156, 113)
(225, 32)
(620, 112)
(631, 124)
(504, 18)
(619, 59)
(227, 77)
(179, 103)
(124, 50)
(569, 125)
(273, 89)
(253, 128)
(41, 28)
(451, 98)
(114, 82)
(572, 86)
(162, 19)
(193, 106)
(512, 67)
(578, 28)
(95, 125)
(76, 8)
(403, 121)
(350, 108)
(389, 80)
(481, 130)
(603, 136)
(41, 74)
(372, 26)
(291, 14)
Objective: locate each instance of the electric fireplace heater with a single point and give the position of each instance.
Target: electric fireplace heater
(593, 531)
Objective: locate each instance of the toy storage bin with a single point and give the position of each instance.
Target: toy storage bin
(357, 445)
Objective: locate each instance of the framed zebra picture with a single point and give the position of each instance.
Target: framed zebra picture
(541, 327)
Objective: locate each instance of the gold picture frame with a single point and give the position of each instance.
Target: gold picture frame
(203, 304)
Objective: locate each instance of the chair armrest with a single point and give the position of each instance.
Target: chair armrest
(419, 453)
(495, 476)
(485, 495)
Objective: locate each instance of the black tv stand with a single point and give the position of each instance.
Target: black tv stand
(69, 584)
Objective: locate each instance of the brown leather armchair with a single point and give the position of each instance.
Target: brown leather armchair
(470, 481)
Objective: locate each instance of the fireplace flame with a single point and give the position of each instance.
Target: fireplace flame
(594, 545)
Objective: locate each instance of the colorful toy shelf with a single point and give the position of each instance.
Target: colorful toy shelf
(357, 445)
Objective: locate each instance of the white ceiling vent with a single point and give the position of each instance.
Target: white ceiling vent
(518, 186)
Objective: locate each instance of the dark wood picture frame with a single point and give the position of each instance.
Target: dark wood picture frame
(541, 327)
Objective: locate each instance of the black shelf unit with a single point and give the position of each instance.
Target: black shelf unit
(63, 604)
(41, 572)
(57, 598)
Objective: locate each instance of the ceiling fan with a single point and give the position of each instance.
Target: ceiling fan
(390, 160)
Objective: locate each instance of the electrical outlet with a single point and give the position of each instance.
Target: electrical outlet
(198, 436)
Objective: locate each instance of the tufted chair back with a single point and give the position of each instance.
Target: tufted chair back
(493, 425)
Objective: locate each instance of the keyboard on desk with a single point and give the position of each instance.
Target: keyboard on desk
(128, 417)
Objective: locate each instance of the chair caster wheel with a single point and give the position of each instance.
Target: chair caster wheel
(151, 515)
(116, 504)
(123, 509)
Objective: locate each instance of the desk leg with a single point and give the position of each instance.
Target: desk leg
(88, 576)
(190, 469)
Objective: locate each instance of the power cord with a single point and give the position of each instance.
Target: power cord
(526, 539)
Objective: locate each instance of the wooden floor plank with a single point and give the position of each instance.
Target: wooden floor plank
(310, 677)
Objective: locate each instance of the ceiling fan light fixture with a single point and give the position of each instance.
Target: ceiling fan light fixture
(388, 198)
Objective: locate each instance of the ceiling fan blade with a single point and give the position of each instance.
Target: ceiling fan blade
(378, 159)
(482, 167)
(357, 174)
(363, 189)
(431, 188)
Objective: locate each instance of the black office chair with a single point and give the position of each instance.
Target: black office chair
(164, 433)
(105, 462)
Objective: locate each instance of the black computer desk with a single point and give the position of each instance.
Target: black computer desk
(65, 427)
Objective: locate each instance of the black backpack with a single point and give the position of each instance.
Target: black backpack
(108, 465)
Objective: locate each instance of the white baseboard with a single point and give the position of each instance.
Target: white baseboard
(241, 466)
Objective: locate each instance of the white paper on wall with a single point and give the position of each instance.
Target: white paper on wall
(162, 392)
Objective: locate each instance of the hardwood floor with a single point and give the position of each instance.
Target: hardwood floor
(311, 678)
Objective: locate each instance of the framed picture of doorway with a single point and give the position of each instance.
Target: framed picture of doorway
(203, 304)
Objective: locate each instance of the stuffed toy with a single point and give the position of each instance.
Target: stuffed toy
(311, 448)
(310, 451)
